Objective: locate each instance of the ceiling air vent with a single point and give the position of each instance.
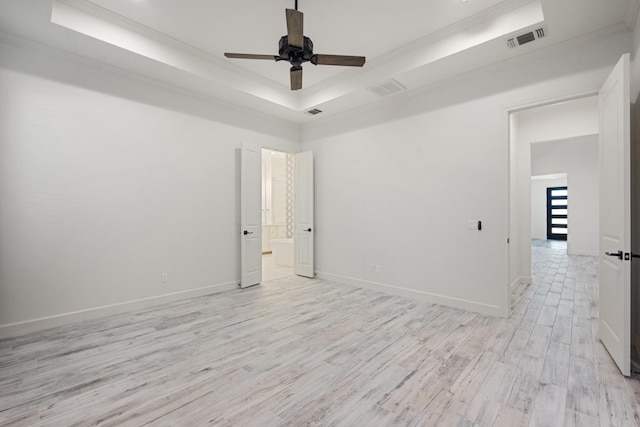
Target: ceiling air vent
(387, 88)
(314, 111)
(525, 38)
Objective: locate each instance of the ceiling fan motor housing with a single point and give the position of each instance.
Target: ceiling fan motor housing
(294, 55)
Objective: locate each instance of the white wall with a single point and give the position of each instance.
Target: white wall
(102, 191)
(578, 157)
(399, 194)
(539, 185)
(274, 187)
(558, 121)
(106, 181)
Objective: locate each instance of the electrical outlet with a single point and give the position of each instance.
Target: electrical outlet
(164, 278)
(377, 268)
(373, 268)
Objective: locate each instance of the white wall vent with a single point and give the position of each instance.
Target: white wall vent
(314, 111)
(528, 37)
(388, 88)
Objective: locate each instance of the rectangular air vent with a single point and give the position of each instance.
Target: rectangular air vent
(314, 111)
(525, 38)
(388, 88)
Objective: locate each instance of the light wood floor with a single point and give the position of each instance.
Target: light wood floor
(310, 352)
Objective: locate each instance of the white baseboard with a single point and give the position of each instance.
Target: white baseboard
(492, 310)
(34, 325)
(584, 253)
(521, 280)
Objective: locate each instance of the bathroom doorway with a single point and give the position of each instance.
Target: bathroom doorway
(278, 204)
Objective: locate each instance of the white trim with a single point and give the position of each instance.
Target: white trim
(549, 176)
(583, 253)
(492, 310)
(34, 325)
(545, 102)
(506, 289)
(522, 280)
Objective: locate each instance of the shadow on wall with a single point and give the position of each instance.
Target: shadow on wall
(112, 81)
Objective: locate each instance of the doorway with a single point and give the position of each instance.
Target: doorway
(612, 210)
(255, 217)
(557, 213)
(278, 205)
(547, 143)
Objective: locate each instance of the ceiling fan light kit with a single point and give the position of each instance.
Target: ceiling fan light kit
(297, 49)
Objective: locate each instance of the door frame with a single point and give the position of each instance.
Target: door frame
(511, 166)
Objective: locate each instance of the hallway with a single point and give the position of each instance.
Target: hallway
(561, 309)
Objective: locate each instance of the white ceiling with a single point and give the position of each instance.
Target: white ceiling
(416, 42)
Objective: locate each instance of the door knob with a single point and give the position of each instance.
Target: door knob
(247, 232)
(615, 254)
(308, 229)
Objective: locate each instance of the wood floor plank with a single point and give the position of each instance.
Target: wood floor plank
(300, 351)
(549, 407)
(556, 365)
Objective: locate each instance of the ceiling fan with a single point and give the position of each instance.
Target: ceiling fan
(298, 49)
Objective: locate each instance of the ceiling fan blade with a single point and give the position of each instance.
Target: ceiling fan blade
(343, 60)
(295, 29)
(250, 56)
(296, 78)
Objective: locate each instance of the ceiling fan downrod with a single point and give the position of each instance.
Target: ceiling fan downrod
(296, 4)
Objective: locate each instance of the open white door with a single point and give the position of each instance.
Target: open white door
(303, 244)
(615, 216)
(250, 215)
